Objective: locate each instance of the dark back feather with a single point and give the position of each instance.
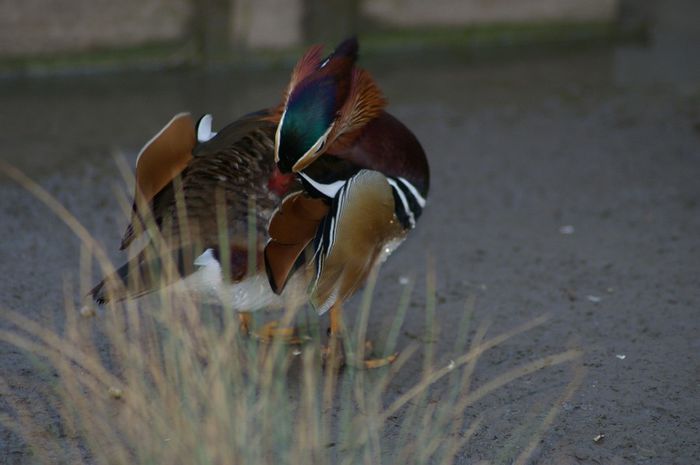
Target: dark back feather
(228, 174)
(386, 145)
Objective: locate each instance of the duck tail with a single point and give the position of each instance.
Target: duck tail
(142, 274)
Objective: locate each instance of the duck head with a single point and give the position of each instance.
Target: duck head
(326, 98)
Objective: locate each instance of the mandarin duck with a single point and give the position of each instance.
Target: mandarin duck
(365, 180)
(187, 178)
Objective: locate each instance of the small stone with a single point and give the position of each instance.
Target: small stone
(594, 298)
(88, 311)
(621, 356)
(567, 229)
(115, 393)
(599, 437)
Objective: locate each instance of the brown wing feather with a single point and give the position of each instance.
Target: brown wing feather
(292, 227)
(363, 226)
(165, 156)
(162, 158)
(227, 174)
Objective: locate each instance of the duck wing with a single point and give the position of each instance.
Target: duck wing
(222, 195)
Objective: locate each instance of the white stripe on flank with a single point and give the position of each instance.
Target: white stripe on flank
(335, 216)
(331, 240)
(404, 201)
(343, 196)
(419, 198)
(329, 190)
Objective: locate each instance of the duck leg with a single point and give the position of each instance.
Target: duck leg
(244, 322)
(272, 330)
(269, 330)
(333, 353)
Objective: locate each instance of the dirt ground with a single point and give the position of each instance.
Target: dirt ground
(566, 185)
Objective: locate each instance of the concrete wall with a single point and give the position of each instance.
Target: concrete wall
(460, 12)
(30, 27)
(267, 23)
(48, 26)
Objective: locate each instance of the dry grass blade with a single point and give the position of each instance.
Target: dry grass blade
(464, 359)
(184, 387)
(571, 388)
(55, 206)
(518, 372)
(59, 347)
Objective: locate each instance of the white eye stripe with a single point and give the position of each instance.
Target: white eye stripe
(278, 136)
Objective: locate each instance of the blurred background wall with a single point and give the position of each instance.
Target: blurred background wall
(50, 26)
(40, 27)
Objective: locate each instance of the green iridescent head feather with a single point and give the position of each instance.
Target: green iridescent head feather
(313, 105)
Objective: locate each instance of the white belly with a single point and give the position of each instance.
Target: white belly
(250, 294)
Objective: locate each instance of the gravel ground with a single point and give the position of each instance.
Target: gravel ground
(566, 185)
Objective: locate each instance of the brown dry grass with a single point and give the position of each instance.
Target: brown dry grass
(181, 385)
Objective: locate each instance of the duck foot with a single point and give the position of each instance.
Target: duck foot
(269, 331)
(245, 320)
(272, 331)
(380, 362)
(333, 354)
(334, 357)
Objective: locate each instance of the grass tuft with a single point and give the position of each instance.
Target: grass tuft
(169, 380)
